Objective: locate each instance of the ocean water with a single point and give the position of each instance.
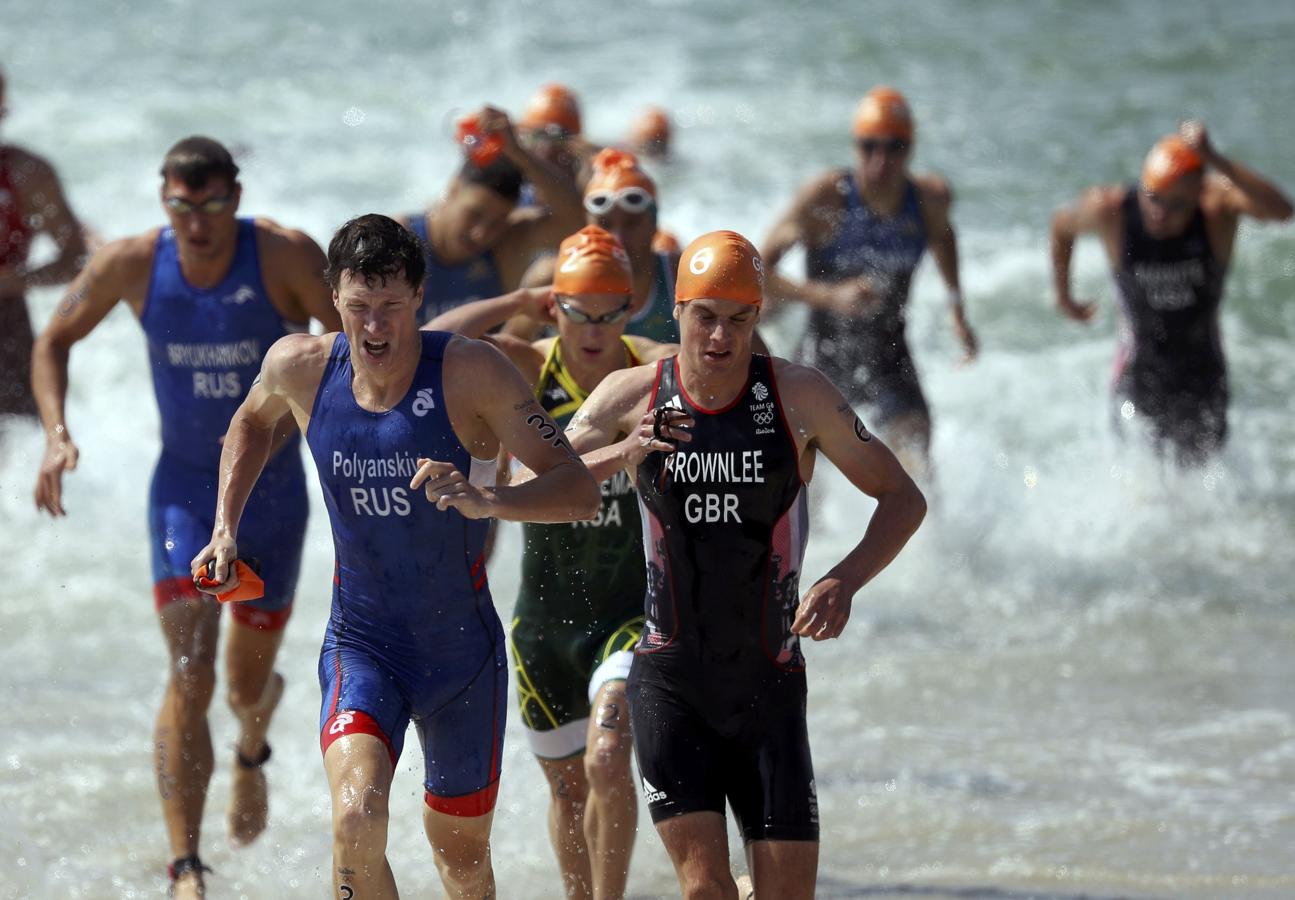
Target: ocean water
(1076, 681)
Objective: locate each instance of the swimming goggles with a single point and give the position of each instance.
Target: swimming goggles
(630, 199)
(892, 147)
(208, 207)
(580, 317)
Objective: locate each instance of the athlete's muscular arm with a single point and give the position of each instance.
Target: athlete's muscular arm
(119, 270)
(937, 199)
(491, 407)
(566, 212)
(1096, 210)
(811, 220)
(295, 268)
(474, 319)
(42, 201)
(815, 406)
(290, 371)
(523, 325)
(649, 350)
(615, 430)
(1245, 191)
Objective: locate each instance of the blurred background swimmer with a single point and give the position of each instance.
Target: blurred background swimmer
(478, 243)
(32, 203)
(864, 231)
(1169, 240)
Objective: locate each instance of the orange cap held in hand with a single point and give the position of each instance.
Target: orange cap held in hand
(721, 265)
(250, 585)
(481, 148)
(553, 105)
(883, 112)
(1168, 162)
(592, 261)
(615, 170)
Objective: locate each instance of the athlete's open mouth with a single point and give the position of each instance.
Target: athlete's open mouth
(376, 348)
(717, 355)
(592, 351)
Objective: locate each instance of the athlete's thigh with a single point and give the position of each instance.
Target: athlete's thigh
(360, 695)
(783, 868)
(190, 626)
(770, 777)
(551, 690)
(181, 507)
(463, 735)
(680, 759)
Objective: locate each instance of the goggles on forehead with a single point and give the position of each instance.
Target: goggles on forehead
(580, 317)
(630, 199)
(208, 207)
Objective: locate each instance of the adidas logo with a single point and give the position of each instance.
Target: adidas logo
(424, 402)
(651, 794)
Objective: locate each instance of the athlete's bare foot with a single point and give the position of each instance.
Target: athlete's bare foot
(186, 879)
(249, 802)
(188, 886)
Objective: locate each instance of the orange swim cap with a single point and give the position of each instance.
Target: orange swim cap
(1168, 162)
(721, 265)
(883, 112)
(553, 105)
(651, 127)
(615, 170)
(592, 261)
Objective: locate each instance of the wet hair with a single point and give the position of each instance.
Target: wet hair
(197, 160)
(500, 176)
(375, 248)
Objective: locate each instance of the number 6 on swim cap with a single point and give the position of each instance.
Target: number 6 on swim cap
(721, 265)
(701, 260)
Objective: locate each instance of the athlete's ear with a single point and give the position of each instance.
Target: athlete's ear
(678, 311)
(238, 194)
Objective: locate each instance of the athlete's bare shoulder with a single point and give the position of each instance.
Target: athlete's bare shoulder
(1098, 208)
(819, 205)
(933, 189)
(478, 363)
(809, 399)
(796, 380)
(649, 351)
(295, 363)
(1104, 200)
(283, 246)
(26, 168)
(614, 405)
(636, 381)
(125, 264)
(826, 189)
